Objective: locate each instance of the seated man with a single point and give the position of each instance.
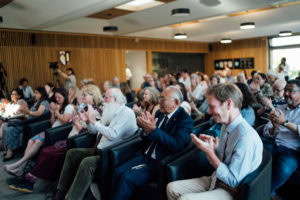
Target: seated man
(165, 135)
(284, 128)
(234, 156)
(277, 100)
(118, 122)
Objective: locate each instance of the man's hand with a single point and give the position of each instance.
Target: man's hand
(147, 122)
(277, 117)
(208, 144)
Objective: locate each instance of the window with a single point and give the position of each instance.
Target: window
(288, 47)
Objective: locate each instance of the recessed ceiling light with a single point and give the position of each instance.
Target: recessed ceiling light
(180, 12)
(225, 40)
(285, 33)
(180, 36)
(110, 28)
(247, 25)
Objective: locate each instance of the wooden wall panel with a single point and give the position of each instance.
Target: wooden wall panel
(27, 53)
(255, 47)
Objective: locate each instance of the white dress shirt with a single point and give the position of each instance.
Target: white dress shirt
(122, 126)
(284, 136)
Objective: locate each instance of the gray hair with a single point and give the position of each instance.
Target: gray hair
(280, 82)
(120, 98)
(176, 93)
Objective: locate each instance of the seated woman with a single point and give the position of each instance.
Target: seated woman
(51, 158)
(61, 113)
(49, 87)
(72, 94)
(196, 92)
(14, 107)
(185, 103)
(124, 87)
(12, 134)
(149, 103)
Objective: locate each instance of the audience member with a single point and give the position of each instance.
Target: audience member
(72, 94)
(197, 89)
(69, 76)
(165, 136)
(229, 77)
(115, 82)
(241, 78)
(106, 86)
(124, 87)
(149, 102)
(271, 77)
(185, 103)
(284, 129)
(49, 87)
(234, 156)
(284, 67)
(185, 78)
(117, 123)
(27, 90)
(253, 72)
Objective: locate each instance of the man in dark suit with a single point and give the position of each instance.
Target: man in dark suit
(165, 135)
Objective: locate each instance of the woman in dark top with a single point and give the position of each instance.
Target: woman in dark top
(49, 87)
(124, 87)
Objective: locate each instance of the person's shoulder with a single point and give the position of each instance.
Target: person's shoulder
(182, 115)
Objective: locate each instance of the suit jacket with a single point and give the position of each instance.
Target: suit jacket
(175, 135)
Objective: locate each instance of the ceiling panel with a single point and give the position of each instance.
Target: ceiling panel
(110, 13)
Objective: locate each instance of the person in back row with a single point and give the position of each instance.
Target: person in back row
(118, 122)
(236, 154)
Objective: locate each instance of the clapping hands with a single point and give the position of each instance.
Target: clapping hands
(208, 144)
(147, 122)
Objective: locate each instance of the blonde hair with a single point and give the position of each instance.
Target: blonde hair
(94, 91)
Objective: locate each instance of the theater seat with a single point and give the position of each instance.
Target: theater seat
(152, 190)
(58, 133)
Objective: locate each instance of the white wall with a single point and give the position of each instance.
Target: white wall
(136, 62)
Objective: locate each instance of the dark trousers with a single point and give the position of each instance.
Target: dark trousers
(78, 172)
(285, 162)
(126, 179)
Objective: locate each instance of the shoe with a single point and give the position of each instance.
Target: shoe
(14, 172)
(5, 159)
(26, 187)
(14, 180)
(60, 195)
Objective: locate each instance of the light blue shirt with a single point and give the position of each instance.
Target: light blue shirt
(249, 115)
(283, 135)
(243, 152)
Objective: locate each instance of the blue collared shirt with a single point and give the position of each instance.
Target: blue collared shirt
(283, 135)
(243, 152)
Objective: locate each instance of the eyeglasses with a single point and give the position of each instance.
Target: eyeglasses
(291, 90)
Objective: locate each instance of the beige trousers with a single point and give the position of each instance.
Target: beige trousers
(196, 189)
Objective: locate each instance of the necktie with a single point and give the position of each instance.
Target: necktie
(152, 145)
(99, 136)
(222, 155)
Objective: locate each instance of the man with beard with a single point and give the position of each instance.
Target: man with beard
(118, 122)
(284, 129)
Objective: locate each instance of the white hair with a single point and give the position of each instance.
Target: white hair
(120, 98)
(176, 93)
(280, 82)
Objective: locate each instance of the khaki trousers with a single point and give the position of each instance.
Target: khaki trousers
(196, 189)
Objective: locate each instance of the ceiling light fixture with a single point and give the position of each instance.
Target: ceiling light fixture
(285, 33)
(180, 12)
(110, 28)
(247, 25)
(225, 40)
(180, 36)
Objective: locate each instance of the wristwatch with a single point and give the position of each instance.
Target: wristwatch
(285, 123)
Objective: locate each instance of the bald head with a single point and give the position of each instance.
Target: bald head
(278, 88)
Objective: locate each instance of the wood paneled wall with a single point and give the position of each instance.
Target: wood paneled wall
(254, 47)
(27, 53)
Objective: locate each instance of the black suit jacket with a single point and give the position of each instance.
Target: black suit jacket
(175, 135)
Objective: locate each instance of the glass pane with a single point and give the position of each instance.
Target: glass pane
(292, 59)
(284, 41)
